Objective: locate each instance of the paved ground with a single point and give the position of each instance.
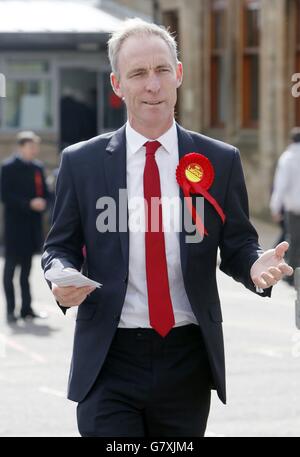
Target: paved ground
(262, 353)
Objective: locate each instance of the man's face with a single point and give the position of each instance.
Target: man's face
(148, 81)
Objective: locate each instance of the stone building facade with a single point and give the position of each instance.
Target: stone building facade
(239, 58)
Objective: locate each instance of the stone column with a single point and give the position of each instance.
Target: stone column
(272, 94)
(191, 39)
(232, 35)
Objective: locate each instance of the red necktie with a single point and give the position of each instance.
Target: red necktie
(159, 300)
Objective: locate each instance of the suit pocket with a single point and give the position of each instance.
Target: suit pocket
(86, 311)
(215, 313)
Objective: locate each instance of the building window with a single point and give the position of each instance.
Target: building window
(28, 103)
(297, 100)
(30, 67)
(218, 49)
(250, 69)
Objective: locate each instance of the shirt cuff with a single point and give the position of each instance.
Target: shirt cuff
(259, 290)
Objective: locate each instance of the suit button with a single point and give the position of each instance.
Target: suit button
(126, 278)
(117, 317)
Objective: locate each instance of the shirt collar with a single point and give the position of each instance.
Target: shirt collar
(135, 140)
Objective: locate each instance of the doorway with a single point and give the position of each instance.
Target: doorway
(78, 105)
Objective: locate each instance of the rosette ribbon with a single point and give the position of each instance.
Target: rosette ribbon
(195, 175)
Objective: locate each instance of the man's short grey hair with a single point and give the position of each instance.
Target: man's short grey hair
(137, 27)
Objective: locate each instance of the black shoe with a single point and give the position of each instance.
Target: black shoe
(11, 318)
(33, 315)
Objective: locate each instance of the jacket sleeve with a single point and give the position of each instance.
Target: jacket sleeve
(239, 247)
(65, 239)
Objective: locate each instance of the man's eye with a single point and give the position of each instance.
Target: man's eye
(140, 73)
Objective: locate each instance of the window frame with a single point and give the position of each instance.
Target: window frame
(171, 19)
(29, 76)
(247, 53)
(216, 55)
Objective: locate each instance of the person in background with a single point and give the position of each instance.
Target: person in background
(51, 184)
(282, 225)
(286, 192)
(24, 194)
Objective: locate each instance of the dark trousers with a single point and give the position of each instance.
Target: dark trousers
(150, 386)
(9, 269)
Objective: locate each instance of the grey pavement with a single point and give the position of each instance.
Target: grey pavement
(262, 355)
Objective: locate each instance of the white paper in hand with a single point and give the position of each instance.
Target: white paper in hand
(64, 278)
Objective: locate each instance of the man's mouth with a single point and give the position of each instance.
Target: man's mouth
(152, 103)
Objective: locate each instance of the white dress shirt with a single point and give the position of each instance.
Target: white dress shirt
(135, 309)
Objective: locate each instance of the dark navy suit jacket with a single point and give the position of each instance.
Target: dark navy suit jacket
(97, 168)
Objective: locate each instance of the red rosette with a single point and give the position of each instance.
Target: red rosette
(195, 169)
(195, 175)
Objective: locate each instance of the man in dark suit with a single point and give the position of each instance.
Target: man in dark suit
(148, 345)
(23, 193)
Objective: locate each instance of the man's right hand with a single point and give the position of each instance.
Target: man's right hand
(71, 296)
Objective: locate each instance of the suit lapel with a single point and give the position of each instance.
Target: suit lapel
(185, 145)
(115, 174)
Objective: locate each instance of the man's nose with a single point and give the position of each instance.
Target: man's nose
(153, 83)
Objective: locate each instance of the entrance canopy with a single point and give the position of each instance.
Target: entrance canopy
(53, 24)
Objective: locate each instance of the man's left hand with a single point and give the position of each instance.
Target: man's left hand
(270, 267)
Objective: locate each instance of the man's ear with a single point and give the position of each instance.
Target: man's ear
(179, 74)
(115, 84)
